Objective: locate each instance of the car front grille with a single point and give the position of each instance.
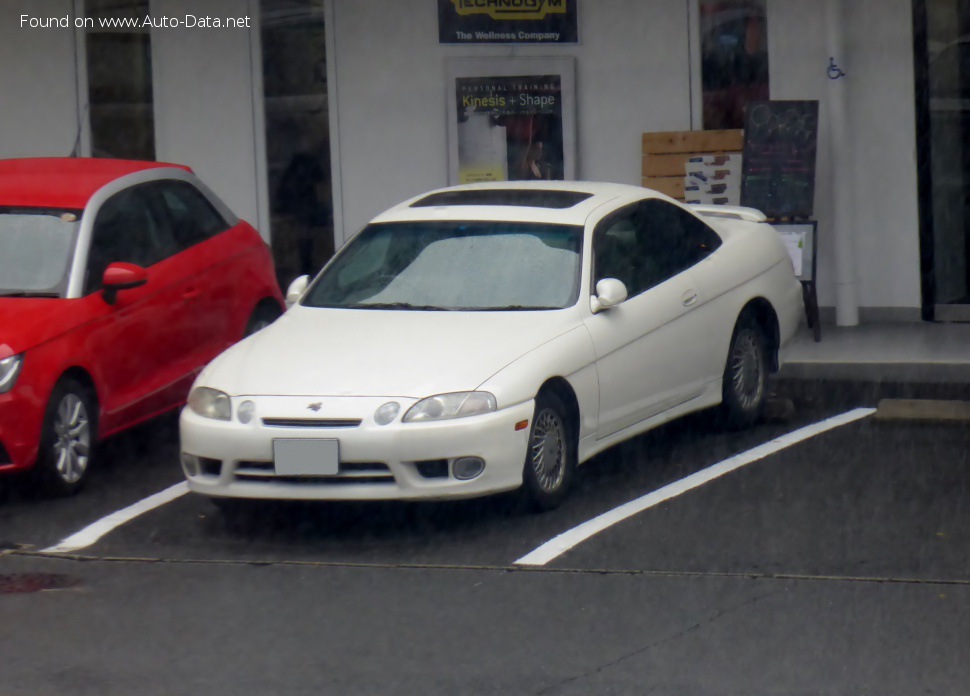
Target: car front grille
(311, 422)
(364, 473)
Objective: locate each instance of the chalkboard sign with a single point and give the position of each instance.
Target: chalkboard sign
(778, 171)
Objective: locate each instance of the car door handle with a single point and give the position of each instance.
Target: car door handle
(190, 294)
(689, 298)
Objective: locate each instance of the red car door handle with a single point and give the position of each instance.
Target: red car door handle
(190, 294)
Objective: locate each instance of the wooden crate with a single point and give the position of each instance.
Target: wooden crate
(665, 155)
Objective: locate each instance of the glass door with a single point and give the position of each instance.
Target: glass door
(945, 85)
(297, 135)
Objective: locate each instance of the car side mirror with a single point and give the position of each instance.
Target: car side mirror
(609, 293)
(296, 290)
(121, 276)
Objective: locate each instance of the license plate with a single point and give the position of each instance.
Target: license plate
(306, 457)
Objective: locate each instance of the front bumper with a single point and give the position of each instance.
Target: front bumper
(398, 461)
(21, 416)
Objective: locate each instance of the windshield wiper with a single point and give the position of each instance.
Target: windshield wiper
(397, 305)
(29, 294)
(512, 308)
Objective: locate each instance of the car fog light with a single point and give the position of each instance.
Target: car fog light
(245, 411)
(190, 464)
(466, 468)
(386, 413)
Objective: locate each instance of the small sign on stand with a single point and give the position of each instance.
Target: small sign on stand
(800, 237)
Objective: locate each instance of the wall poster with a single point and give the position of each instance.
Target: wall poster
(507, 21)
(511, 119)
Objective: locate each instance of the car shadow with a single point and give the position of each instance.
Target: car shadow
(613, 477)
(622, 473)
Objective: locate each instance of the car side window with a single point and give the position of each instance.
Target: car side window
(614, 247)
(670, 240)
(192, 217)
(126, 229)
(645, 244)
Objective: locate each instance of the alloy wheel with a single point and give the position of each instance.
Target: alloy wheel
(549, 450)
(748, 370)
(72, 443)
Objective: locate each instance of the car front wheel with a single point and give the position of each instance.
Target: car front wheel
(551, 459)
(67, 439)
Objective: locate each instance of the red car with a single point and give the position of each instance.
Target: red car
(119, 281)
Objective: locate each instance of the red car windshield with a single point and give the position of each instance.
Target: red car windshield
(36, 248)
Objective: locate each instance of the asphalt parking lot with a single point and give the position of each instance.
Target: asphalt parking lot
(838, 564)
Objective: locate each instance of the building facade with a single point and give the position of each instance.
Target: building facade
(310, 116)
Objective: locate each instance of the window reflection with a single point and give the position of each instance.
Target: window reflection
(734, 59)
(297, 135)
(948, 44)
(119, 68)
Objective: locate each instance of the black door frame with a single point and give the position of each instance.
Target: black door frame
(924, 172)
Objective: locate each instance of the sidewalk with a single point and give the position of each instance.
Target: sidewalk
(925, 352)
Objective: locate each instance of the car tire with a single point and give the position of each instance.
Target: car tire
(67, 440)
(264, 315)
(745, 385)
(550, 462)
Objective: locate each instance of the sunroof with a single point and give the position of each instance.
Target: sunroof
(527, 198)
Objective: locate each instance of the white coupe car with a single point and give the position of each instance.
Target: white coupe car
(490, 337)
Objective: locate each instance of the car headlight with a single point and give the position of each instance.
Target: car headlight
(210, 403)
(9, 369)
(446, 406)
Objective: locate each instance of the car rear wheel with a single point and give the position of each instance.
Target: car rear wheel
(550, 462)
(745, 389)
(264, 315)
(67, 439)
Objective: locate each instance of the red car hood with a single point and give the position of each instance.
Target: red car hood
(27, 322)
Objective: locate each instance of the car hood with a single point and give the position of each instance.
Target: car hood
(334, 352)
(28, 322)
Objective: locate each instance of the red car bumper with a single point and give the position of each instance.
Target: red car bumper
(21, 415)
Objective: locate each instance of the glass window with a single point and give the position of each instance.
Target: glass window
(36, 249)
(126, 229)
(614, 250)
(673, 240)
(649, 242)
(189, 212)
(119, 67)
(293, 38)
(454, 265)
(734, 59)
(945, 143)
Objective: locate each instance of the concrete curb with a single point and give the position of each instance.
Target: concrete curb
(923, 410)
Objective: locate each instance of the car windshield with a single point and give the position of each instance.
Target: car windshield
(470, 266)
(35, 251)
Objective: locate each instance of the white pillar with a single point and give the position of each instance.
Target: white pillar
(840, 162)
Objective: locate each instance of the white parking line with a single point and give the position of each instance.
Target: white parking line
(90, 534)
(567, 540)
